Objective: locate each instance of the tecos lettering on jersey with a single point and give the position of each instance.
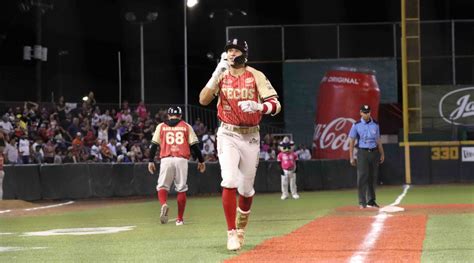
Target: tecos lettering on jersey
(251, 85)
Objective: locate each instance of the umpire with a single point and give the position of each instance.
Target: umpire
(370, 153)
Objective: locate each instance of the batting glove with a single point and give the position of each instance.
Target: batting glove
(222, 66)
(250, 106)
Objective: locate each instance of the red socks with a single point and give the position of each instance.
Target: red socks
(162, 196)
(181, 198)
(245, 203)
(230, 206)
(181, 204)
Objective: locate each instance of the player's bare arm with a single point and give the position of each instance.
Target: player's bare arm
(206, 96)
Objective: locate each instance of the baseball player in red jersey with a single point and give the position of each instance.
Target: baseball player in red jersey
(177, 140)
(244, 95)
(287, 159)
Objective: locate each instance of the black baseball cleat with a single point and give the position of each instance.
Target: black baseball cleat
(362, 206)
(373, 204)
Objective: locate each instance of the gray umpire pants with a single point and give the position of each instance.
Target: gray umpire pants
(367, 172)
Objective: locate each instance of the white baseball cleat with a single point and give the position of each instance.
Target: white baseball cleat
(164, 214)
(179, 222)
(296, 196)
(284, 197)
(232, 240)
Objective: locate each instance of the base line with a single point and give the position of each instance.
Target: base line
(48, 206)
(375, 230)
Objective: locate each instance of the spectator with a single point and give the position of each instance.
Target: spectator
(67, 121)
(6, 126)
(74, 128)
(141, 111)
(90, 100)
(272, 153)
(78, 142)
(208, 154)
(113, 148)
(304, 153)
(95, 151)
(38, 156)
(107, 155)
(136, 151)
(96, 118)
(264, 155)
(103, 134)
(89, 139)
(59, 137)
(24, 149)
(77, 147)
(148, 130)
(11, 151)
(58, 157)
(69, 158)
(210, 140)
(61, 108)
(105, 117)
(49, 150)
(126, 117)
(199, 128)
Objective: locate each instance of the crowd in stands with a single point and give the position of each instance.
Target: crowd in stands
(67, 133)
(269, 149)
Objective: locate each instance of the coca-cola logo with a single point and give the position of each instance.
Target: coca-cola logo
(457, 107)
(334, 134)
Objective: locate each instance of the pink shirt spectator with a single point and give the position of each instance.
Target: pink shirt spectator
(141, 111)
(287, 160)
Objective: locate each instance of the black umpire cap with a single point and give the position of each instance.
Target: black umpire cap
(365, 108)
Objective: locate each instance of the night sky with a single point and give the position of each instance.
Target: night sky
(89, 34)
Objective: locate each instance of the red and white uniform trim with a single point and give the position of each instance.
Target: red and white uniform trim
(250, 85)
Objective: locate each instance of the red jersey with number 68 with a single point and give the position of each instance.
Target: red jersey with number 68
(175, 140)
(251, 85)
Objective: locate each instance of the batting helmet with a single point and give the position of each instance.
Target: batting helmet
(238, 44)
(175, 110)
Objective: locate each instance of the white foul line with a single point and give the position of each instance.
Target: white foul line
(48, 206)
(375, 231)
(5, 211)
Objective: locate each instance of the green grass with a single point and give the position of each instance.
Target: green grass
(449, 238)
(203, 237)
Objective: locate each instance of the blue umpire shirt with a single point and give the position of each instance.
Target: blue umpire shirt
(367, 133)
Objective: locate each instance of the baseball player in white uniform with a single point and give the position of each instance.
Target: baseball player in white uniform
(244, 95)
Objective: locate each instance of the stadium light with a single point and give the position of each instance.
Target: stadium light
(187, 4)
(132, 18)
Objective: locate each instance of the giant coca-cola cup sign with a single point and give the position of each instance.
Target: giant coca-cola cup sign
(341, 93)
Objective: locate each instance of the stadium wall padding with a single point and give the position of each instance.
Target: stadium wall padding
(99, 180)
(22, 182)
